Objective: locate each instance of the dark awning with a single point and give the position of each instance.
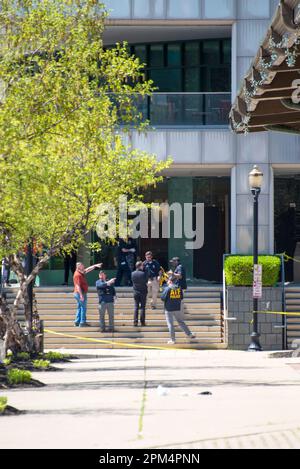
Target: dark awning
(268, 97)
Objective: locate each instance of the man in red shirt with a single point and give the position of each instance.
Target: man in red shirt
(80, 291)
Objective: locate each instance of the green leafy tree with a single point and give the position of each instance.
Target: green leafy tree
(63, 100)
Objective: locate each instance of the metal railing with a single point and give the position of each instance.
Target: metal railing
(186, 109)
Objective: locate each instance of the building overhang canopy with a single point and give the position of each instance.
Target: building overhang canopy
(269, 98)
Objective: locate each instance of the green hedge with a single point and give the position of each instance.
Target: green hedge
(239, 270)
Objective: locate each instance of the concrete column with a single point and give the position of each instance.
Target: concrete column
(180, 190)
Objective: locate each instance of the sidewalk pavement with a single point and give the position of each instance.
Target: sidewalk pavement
(152, 399)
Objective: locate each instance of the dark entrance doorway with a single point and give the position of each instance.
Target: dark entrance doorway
(214, 192)
(159, 247)
(287, 222)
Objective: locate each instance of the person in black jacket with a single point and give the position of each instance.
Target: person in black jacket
(106, 292)
(172, 297)
(126, 259)
(140, 291)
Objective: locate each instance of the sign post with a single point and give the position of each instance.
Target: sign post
(257, 282)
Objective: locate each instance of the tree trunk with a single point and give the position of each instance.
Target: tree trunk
(18, 338)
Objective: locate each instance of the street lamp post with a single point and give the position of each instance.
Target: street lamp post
(255, 182)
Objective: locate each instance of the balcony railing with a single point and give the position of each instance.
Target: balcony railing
(186, 109)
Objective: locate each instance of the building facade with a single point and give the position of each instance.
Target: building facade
(197, 52)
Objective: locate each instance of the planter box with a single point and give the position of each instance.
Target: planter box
(240, 306)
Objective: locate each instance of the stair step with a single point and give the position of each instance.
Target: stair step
(130, 340)
(141, 334)
(89, 346)
(153, 325)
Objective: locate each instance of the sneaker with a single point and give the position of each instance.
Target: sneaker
(135, 324)
(192, 336)
(76, 324)
(143, 324)
(84, 324)
(153, 307)
(171, 342)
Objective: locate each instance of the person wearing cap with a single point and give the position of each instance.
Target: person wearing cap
(106, 292)
(172, 298)
(179, 274)
(153, 270)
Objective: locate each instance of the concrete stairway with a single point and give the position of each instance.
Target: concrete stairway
(292, 299)
(57, 307)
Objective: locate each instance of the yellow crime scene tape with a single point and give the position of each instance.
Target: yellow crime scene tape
(152, 347)
(281, 313)
(118, 344)
(288, 258)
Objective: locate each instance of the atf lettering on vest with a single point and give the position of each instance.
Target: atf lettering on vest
(175, 294)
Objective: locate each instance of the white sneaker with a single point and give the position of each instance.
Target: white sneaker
(171, 342)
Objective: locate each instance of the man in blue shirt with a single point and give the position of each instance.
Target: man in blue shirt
(153, 271)
(106, 292)
(172, 298)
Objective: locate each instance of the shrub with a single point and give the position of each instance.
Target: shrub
(16, 376)
(239, 270)
(3, 404)
(55, 356)
(23, 356)
(41, 364)
(7, 361)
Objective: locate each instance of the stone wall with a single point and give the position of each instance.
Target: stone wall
(240, 306)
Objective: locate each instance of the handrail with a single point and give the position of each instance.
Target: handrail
(284, 318)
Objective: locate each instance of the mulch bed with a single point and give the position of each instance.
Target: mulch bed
(11, 411)
(4, 384)
(28, 366)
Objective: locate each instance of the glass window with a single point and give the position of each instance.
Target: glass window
(220, 79)
(158, 10)
(141, 53)
(156, 55)
(220, 8)
(192, 54)
(119, 9)
(211, 52)
(141, 9)
(174, 55)
(227, 51)
(183, 9)
(192, 80)
(167, 80)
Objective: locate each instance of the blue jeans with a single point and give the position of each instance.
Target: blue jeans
(81, 308)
